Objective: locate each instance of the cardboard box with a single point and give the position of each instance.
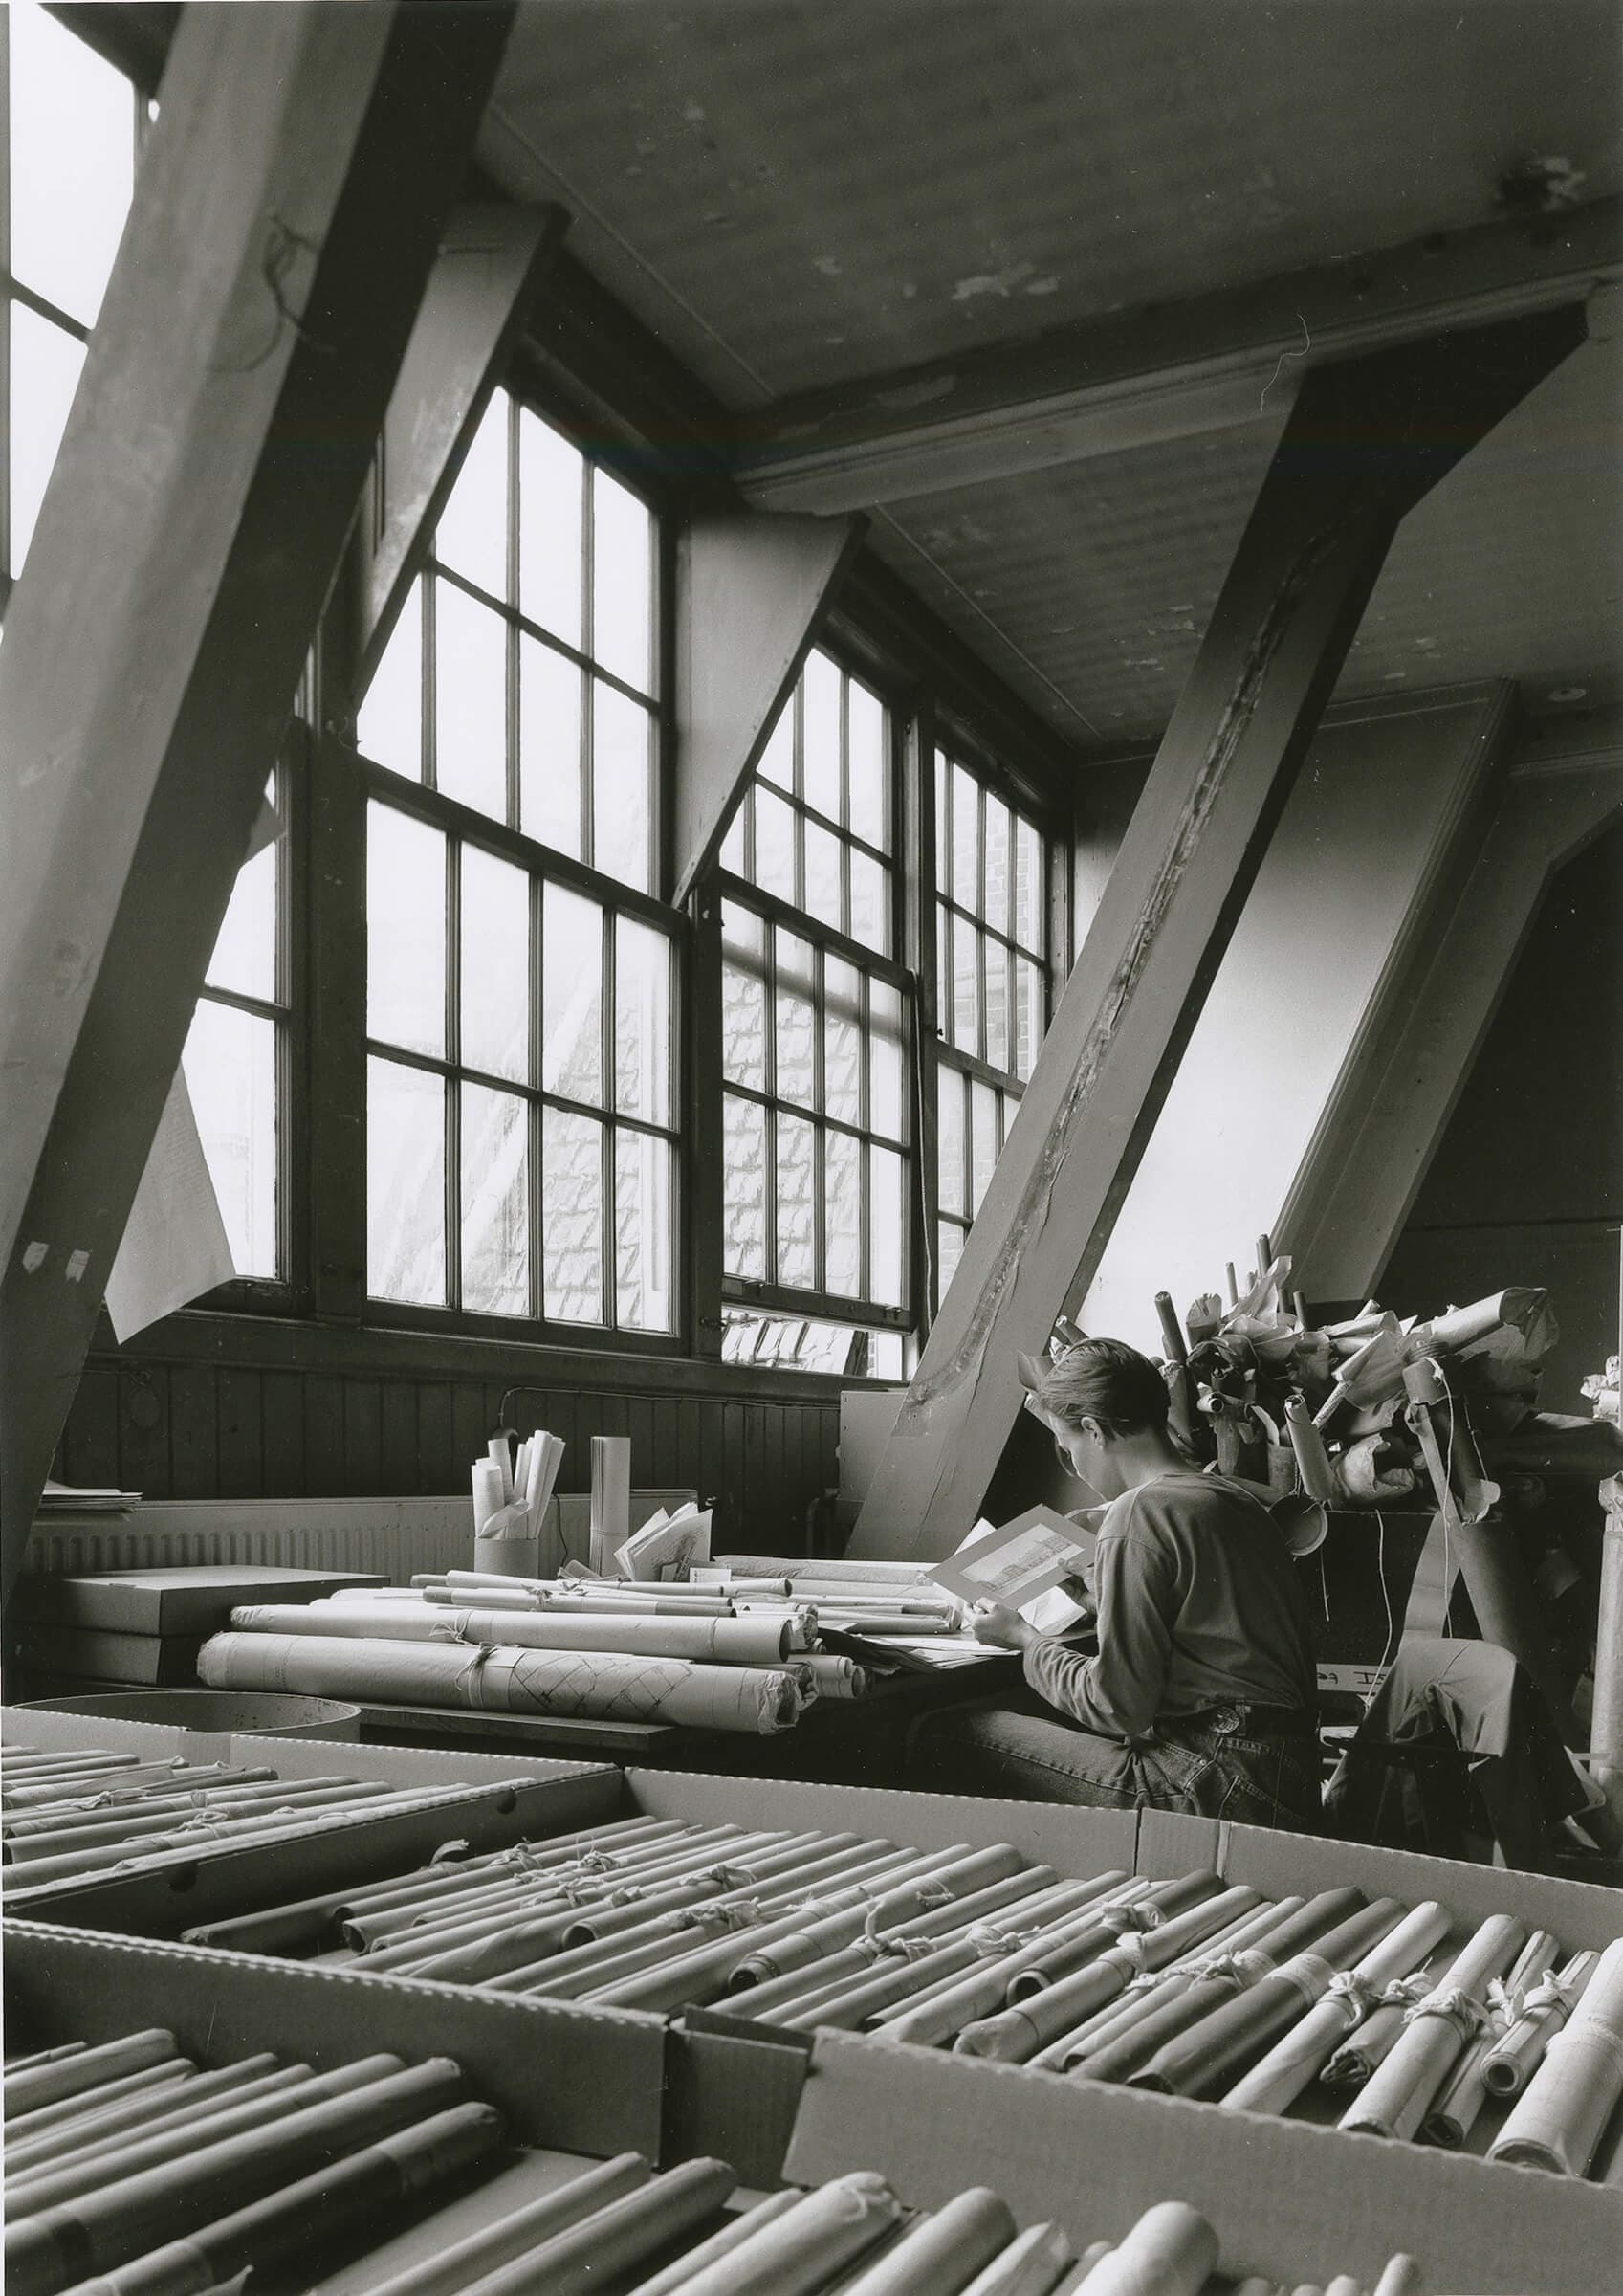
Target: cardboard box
(579, 2080)
(1292, 2203)
(197, 1601)
(88, 1654)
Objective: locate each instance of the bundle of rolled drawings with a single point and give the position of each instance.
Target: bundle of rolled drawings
(1374, 1409)
(512, 1492)
(135, 2170)
(88, 1813)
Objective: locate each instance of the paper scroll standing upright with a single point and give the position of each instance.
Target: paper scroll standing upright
(611, 1500)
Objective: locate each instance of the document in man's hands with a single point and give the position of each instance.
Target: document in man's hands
(1014, 1563)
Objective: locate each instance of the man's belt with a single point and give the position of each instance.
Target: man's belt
(1251, 1721)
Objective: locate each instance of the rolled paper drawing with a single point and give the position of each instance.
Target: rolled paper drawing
(618, 2238)
(499, 1450)
(733, 2235)
(1173, 1338)
(181, 2107)
(1515, 2056)
(1396, 2097)
(1400, 2276)
(1200, 2061)
(1032, 2264)
(745, 1642)
(1293, 1934)
(938, 2256)
(480, 2253)
(119, 2221)
(1150, 1990)
(935, 2016)
(488, 1500)
(1559, 2119)
(88, 2069)
(1161, 1903)
(610, 1517)
(504, 1679)
(1303, 2052)
(315, 2213)
(1171, 2251)
(1312, 1460)
(1455, 2110)
(801, 2250)
(1373, 2037)
(107, 2094)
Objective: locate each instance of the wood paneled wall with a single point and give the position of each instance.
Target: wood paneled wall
(223, 1406)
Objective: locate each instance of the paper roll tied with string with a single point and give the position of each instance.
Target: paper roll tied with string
(501, 1678)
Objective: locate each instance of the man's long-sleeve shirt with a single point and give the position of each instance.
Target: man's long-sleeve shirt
(1198, 1607)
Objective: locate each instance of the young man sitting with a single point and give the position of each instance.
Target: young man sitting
(1203, 1697)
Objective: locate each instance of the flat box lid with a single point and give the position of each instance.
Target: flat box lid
(193, 1598)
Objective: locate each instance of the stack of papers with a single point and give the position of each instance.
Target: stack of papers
(59, 1499)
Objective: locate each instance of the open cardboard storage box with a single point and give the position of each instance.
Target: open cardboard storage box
(733, 2087)
(491, 1800)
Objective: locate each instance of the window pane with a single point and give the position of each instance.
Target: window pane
(885, 1060)
(996, 907)
(966, 840)
(943, 825)
(622, 582)
(950, 1165)
(641, 1232)
(732, 849)
(842, 1213)
(45, 372)
(620, 787)
(774, 846)
(949, 1251)
(550, 484)
(995, 958)
(549, 747)
(1028, 1015)
(966, 987)
(870, 902)
(797, 1202)
(943, 959)
(496, 1202)
(642, 1021)
(404, 1185)
(796, 1027)
(571, 995)
(777, 759)
(1028, 888)
(72, 160)
(389, 728)
(823, 876)
(819, 749)
(743, 997)
(230, 1072)
(245, 954)
(405, 901)
(983, 1140)
(496, 965)
(842, 1040)
(472, 535)
(743, 1131)
(572, 1216)
(869, 811)
(886, 1229)
(470, 701)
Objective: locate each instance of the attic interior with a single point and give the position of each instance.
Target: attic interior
(721, 726)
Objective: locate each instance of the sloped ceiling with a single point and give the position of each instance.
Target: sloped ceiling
(792, 196)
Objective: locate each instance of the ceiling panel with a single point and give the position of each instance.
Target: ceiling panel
(796, 191)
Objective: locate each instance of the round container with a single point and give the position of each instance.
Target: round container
(244, 1713)
(508, 1558)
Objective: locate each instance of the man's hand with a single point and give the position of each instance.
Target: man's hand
(1004, 1629)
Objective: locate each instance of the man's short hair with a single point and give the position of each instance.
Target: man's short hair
(1107, 1382)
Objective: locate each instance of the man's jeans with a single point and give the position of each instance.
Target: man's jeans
(1017, 1749)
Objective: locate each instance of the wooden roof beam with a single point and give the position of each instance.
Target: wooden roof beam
(284, 225)
(1140, 378)
(1366, 440)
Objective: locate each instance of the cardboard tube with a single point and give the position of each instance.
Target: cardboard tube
(1029, 2265)
(943, 2254)
(480, 2253)
(1171, 2251)
(801, 2250)
(1559, 2120)
(315, 2212)
(107, 2228)
(592, 2254)
(71, 2076)
(1394, 2101)
(107, 2093)
(185, 2101)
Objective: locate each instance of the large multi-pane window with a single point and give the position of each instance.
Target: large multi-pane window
(73, 127)
(816, 1045)
(521, 1095)
(520, 678)
(992, 987)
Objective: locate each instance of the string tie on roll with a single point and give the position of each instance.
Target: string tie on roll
(1353, 1995)
(1460, 2009)
(990, 1944)
(1130, 1951)
(890, 1947)
(1402, 1993)
(468, 1681)
(1119, 1920)
(1233, 1971)
(729, 1877)
(714, 1921)
(453, 1629)
(922, 1894)
(1506, 2003)
(1141, 1981)
(1553, 1991)
(449, 1852)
